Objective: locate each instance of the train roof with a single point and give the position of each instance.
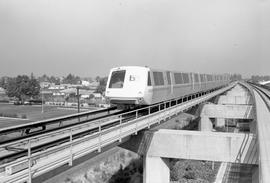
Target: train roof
(162, 70)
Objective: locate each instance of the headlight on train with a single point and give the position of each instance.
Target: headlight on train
(140, 100)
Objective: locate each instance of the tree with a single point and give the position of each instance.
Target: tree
(3, 82)
(91, 96)
(54, 80)
(43, 78)
(71, 79)
(102, 85)
(236, 77)
(257, 78)
(23, 87)
(97, 79)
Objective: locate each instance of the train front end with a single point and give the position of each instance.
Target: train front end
(126, 86)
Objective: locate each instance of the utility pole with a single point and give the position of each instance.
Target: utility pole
(78, 98)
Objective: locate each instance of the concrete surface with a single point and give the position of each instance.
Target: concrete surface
(221, 172)
(220, 122)
(239, 100)
(210, 146)
(228, 111)
(263, 125)
(205, 124)
(238, 91)
(156, 170)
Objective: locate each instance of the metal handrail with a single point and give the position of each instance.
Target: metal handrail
(57, 131)
(31, 157)
(99, 125)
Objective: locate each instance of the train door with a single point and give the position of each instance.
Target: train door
(169, 79)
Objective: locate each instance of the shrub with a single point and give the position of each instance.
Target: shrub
(190, 175)
(97, 169)
(24, 116)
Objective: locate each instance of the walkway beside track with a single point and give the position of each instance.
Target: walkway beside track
(263, 126)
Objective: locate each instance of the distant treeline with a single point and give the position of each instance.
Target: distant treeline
(21, 87)
(256, 79)
(236, 77)
(25, 87)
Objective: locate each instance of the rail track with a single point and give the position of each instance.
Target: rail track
(20, 149)
(262, 103)
(264, 92)
(37, 144)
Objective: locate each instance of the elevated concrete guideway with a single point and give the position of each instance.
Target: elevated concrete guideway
(228, 111)
(263, 124)
(65, 153)
(236, 104)
(237, 147)
(240, 100)
(210, 146)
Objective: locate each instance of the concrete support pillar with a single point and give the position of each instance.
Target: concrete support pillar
(220, 122)
(156, 170)
(205, 124)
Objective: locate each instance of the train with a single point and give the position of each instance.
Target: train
(130, 86)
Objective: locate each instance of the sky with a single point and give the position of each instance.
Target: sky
(88, 37)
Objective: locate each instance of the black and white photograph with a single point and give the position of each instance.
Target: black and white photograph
(134, 91)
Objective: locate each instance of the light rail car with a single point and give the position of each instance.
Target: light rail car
(131, 86)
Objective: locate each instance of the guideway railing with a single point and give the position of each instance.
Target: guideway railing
(35, 164)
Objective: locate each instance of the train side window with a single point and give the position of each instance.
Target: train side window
(209, 77)
(196, 78)
(158, 78)
(178, 78)
(202, 78)
(149, 80)
(185, 77)
(168, 77)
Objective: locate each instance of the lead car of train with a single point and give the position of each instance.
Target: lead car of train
(134, 85)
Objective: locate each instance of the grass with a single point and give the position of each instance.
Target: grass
(10, 115)
(32, 112)
(13, 115)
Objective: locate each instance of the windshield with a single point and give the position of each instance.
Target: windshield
(117, 79)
